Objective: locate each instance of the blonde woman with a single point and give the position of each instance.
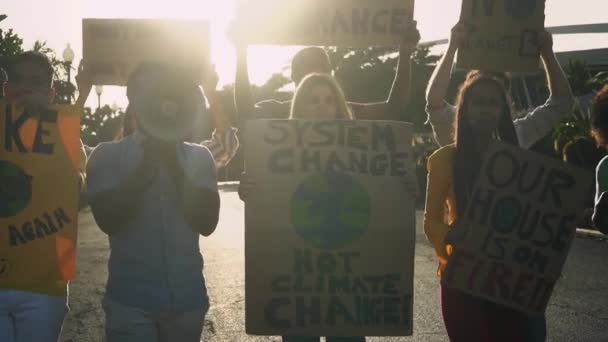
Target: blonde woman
(317, 97)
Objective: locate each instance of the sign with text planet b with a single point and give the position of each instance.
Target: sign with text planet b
(112, 48)
(355, 23)
(502, 35)
(518, 228)
(330, 228)
(39, 163)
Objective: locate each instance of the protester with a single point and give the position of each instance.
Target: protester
(530, 128)
(33, 311)
(482, 115)
(599, 124)
(315, 60)
(318, 96)
(153, 194)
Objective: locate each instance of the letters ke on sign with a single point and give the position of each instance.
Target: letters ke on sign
(356, 23)
(39, 162)
(330, 231)
(519, 224)
(113, 47)
(502, 35)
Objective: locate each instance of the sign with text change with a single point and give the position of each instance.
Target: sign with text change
(354, 23)
(330, 228)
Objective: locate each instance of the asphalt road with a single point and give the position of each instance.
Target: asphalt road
(578, 310)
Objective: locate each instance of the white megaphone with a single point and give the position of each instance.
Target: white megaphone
(167, 108)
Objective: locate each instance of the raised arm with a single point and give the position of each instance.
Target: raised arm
(437, 89)
(559, 87)
(536, 124)
(84, 84)
(440, 113)
(243, 98)
(224, 142)
(399, 94)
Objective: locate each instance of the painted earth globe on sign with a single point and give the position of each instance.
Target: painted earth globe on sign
(521, 9)
(330, 210)
(506, 214)
(15, 189)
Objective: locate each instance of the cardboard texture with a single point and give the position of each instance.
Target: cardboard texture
(354, 23)
(519, 225)
(330, 228)
(113, 47)
(503, 35)
(39, 163)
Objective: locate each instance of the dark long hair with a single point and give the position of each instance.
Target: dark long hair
(467, 159)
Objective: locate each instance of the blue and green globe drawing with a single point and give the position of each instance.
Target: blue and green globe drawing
(15, 189)
(520, 9)
(506, 214)
(330, 210)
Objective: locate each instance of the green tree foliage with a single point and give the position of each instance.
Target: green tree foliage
(576, 126)
(64, 89)
(10, 45)
(99, 126)
(366, 75)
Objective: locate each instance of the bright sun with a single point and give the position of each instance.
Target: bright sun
(263, 61)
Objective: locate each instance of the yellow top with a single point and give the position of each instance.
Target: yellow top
(440, 207)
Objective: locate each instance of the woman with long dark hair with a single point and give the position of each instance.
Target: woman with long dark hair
(483, 115)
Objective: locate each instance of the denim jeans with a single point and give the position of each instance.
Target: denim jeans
(129, 324)
(28, 316)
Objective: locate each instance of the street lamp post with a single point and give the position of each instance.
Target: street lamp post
(68, 58)
(98, 91)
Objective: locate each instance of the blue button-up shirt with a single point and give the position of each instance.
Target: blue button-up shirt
(155, 261)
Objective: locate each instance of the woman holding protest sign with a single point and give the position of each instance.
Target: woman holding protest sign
(482, 115)
(530, 128)
(33, 305)
(318, 96)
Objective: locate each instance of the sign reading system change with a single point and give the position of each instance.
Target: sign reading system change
(330, 228)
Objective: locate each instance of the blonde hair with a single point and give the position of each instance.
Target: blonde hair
(311, 81)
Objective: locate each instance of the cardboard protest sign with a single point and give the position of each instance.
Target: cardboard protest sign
(520, 223)
(502, 35)
(330, 228)
(39, 163)
(355, 23)
(113, 47)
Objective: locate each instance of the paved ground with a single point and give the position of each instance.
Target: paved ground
(578, 310)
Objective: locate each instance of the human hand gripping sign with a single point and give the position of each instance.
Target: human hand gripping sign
(84, 83)
(410, 38)
(459, 33)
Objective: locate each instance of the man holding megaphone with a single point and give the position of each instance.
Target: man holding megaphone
(153, 194)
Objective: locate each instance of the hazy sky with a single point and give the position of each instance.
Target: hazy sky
(60, 22)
